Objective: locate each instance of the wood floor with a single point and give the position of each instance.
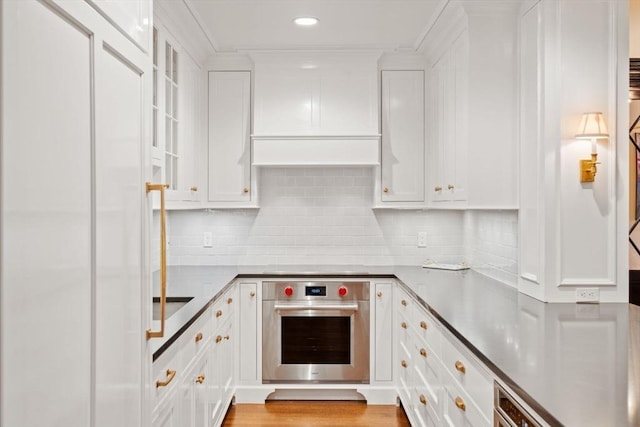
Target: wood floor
(315, 414)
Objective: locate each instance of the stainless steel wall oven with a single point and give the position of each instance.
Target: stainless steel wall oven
(315, 332)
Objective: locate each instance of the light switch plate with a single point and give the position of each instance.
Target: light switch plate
(422, 239)
(207, 239)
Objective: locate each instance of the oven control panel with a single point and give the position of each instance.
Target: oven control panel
(315, 290)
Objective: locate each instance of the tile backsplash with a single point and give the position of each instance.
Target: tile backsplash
(324, 216)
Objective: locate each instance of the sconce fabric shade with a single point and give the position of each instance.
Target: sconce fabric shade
(592, 126)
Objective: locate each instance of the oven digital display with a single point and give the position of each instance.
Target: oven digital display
(315, 291)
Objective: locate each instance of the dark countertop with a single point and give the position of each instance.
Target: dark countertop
(575, 364)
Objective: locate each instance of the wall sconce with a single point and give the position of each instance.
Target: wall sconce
(591, 127)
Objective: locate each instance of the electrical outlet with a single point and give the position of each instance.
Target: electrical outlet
(207, 239)
(422, 239)
(588, 295)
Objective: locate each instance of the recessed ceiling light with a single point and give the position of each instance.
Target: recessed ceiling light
(306, 21)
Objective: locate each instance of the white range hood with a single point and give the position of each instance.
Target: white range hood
(316, 151)
(315, 109)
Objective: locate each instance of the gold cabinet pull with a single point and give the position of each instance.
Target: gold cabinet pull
(229, 301)
(194, 188)
(218, 313)
(379, 294)
(385, 189)
(218, 339)
(460, 367)
(423, 399)
(437, 188)
(404, 325)
(245, 190)
(423, 352)
(423, 325)
(404, 364)
(252, 294)
(450, 187)
(199, 337)
(200, 379)
(163, 260)
(460, 404)
(403, 302)
(226, 337)
(170, 375)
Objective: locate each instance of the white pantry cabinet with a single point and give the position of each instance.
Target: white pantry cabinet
(383, 332)
(75, 96)
(402, 156)
(229, 136)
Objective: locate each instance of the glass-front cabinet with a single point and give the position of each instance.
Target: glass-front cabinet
(177, 85)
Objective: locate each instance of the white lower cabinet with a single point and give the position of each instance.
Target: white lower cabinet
(439, 382)
(194, 378)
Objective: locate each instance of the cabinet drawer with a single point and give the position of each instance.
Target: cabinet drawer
(405, 370)
(165, 375)
(223, 309)
(429, 371)
(459, 410)
(404, 303)
(426, 411)
(196, 337)
(469, 374)
(427, 328)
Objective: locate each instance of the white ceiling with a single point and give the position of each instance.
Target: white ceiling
(237, 25)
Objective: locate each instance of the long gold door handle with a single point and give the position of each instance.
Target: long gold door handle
(170, 375)
(460, 404)
(163, 260)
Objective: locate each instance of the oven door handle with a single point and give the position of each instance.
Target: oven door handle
(292, 307)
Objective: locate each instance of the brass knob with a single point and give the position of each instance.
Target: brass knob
(230, 300)
(423, 325)
(404, 364)
(460, 367)
(403, 302)
(245, 190)
(218, 339)
(252, 294)
(194, 188)
(226, 337)
(218, 313)
(404, 325)
(450, 187)
(423, 399)
(423, 352)
(199, 337)
(170, 375)
(385, 189)
(437, 188)
(200, 379)
(379, 294)
(460, 404)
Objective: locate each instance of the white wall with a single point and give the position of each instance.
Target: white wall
(324, 216)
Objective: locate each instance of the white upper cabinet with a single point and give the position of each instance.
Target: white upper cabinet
(447, 122)
(402, 163)
(320, 94)
(471, 107)
(131, 17)
(178, 117)
(229, 133)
